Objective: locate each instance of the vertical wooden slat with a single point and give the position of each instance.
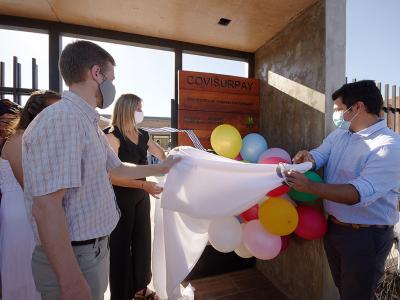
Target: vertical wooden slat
(392, 102)
(2, 77)
(396, 111)
(386, 104)
(379, 86)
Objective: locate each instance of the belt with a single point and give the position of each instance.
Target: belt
(356, 226)
(88, 242)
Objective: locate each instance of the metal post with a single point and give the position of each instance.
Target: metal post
(34, 74)
(54, 54)
(174, 102)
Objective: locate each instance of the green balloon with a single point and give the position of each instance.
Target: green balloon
(305, 197)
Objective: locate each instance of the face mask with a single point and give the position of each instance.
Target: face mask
(340, 122)
(107, 90)
(139, 116)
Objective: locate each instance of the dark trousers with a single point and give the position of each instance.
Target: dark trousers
(130, 248)
(357, 258)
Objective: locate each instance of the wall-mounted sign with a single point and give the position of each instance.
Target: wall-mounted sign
(207, 100)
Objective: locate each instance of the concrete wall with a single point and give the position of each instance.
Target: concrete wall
(292, 68)
(297, 54)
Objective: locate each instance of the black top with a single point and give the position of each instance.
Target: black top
(130, 152)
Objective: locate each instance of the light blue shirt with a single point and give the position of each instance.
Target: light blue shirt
(370, 161)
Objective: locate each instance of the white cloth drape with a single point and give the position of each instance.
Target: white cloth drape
(200, 188)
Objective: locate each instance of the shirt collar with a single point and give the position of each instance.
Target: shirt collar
(372, 129)
(89, 111)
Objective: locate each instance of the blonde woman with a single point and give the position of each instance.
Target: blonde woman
(130, 242)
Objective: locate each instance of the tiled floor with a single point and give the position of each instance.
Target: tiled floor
(249, 284)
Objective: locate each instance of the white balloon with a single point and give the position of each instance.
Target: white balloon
(243, 252)
(225, 234)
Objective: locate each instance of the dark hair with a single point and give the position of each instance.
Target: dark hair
(38, 101)
(80, 56)
(9, 117)
(365, 91)
(9, 107)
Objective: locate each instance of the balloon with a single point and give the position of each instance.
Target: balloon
(272, 160)
(226, 141)
(286, 196)
(299, 196)
(278, 216)
(259, 242)
(239, 157)
(285, 242)
(242, 251)
(250, 214)
(283, 189)
(312, 223)
(279, 191)
(253, 145)
(262, 201)
(225, 234)
(275, 152)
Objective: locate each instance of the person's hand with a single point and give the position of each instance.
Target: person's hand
(303, 156)
(299, 182)
(168, 163)
(152, 188)
(77, 290)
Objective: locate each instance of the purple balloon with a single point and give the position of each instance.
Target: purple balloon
(275, 152)
(259, 242)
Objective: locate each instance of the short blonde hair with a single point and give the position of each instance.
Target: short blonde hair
(123, 115)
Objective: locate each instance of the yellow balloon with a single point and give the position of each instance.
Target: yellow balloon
(278, 216)
(226, 141)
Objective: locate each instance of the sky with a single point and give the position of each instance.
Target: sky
(372, 40)
(372, 47)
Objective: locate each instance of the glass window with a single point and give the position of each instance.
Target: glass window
(200, 63)
(148, 73)
(25, 45)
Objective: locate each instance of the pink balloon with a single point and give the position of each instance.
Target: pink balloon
(259, 242)
(275, 152)
(272, 160)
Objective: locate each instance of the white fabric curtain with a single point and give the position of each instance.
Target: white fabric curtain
(202, 187)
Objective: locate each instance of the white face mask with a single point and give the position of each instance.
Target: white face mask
(340, 122)
(139, 116)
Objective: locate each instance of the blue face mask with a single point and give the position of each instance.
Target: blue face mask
(340, 122)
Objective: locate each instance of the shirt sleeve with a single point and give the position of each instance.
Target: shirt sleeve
(322, 153)
(380, 175)
(51, 156)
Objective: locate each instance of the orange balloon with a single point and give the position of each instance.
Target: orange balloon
(278, 216)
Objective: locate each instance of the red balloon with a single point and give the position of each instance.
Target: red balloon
(279, 191)
(273, 160)
(239, 157)
(312, 223)
(285, 242)
(250, 214)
